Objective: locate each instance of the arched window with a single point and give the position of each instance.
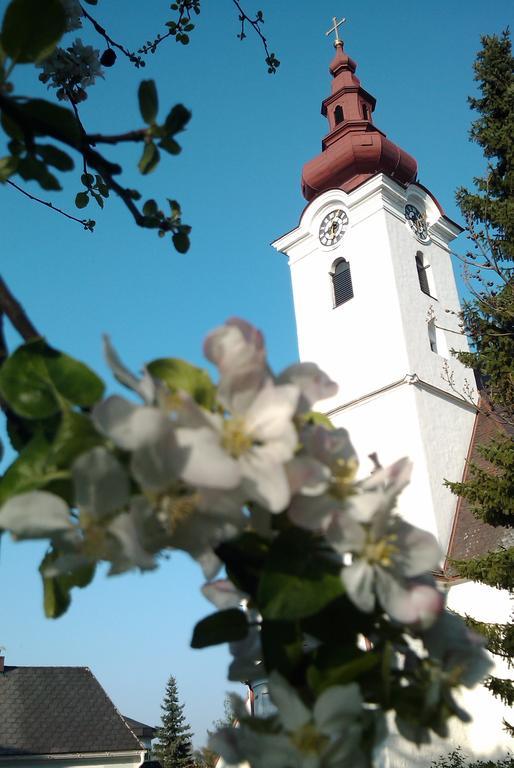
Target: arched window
(422, 268)
(338, 114)
(341, 282)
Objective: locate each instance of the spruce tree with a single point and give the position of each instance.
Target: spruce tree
(488, 320)
(174, 747)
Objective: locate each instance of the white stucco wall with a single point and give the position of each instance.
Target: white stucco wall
(392, 395)
(112, 760)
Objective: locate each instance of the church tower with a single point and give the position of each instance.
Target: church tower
(374, 296)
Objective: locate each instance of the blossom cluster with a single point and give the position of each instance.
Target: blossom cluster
(71, 70)
(197, 469)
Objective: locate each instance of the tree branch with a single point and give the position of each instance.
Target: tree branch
(93, 158)
(131, 56)
(99, 138)
(271, 61)
(4, 353)
(86, 223)
(11, 308)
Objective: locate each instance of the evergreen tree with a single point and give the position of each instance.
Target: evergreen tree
(174, 747)
(488, 320)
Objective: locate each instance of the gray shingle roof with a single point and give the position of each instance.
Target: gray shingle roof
(58, 710)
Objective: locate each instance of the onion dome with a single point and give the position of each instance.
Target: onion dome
(354, 150)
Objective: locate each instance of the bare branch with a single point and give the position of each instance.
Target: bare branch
(86, 223)
(11, 308)
(99, 138)
(131, 56)
(4, 352)
(271, 61)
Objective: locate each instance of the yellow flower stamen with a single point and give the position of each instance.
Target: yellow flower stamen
(307, 739)
(176, 509)
(381, 552)
(343, 476)
(235, 439)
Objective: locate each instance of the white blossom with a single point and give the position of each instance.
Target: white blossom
(326, 737)
(100, 483)
(385, 551)
(323, 492)
(251, 445)
(73, 13)
(238, 351)
(71, 70)
(35, 515)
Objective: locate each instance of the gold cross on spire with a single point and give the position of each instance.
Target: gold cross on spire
(335, 28)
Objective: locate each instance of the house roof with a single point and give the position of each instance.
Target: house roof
(59, 710)
(470, 537)
(140, 729)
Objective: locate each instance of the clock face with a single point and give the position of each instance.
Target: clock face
(333, 227)
(417, 223)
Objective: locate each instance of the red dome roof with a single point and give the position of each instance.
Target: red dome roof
(354, 150)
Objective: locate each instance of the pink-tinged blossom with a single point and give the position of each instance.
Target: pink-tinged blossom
(313, 383)
(238, 351)
(384, 551)
(329, 464)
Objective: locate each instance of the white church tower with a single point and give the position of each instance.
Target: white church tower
(375, 301)
(372, 282)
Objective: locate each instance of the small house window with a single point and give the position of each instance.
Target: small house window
(338, 114)
(422, 268)
(341, 282)
(432, 336)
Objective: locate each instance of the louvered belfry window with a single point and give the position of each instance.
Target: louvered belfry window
(422, 274)
(342, 283)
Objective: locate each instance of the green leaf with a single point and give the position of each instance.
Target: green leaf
(244, 559)
(31, 29)
(33, 469)
(148, 101)
(87, 179)
(177, 119)
(47, 117)
(221, 627)
(180, 375)
(32, 169)
(33, 379)
(75, 435)
(8, 166)
(55, 156)
(150, 208)
(56, 589)
(315, 417)
(181, 242)
(170, 145)
(332, 668)
(149, 158)
(282, 647)
(81, 199)
(300, 577)
(11, 127)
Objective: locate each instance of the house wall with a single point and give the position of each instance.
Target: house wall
(126, 760)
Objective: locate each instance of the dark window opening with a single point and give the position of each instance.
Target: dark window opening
(432, 336)
(342, 283)
(422, 274)
(365, 111)
(338, 114)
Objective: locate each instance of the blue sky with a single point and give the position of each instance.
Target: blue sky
(238, 180)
